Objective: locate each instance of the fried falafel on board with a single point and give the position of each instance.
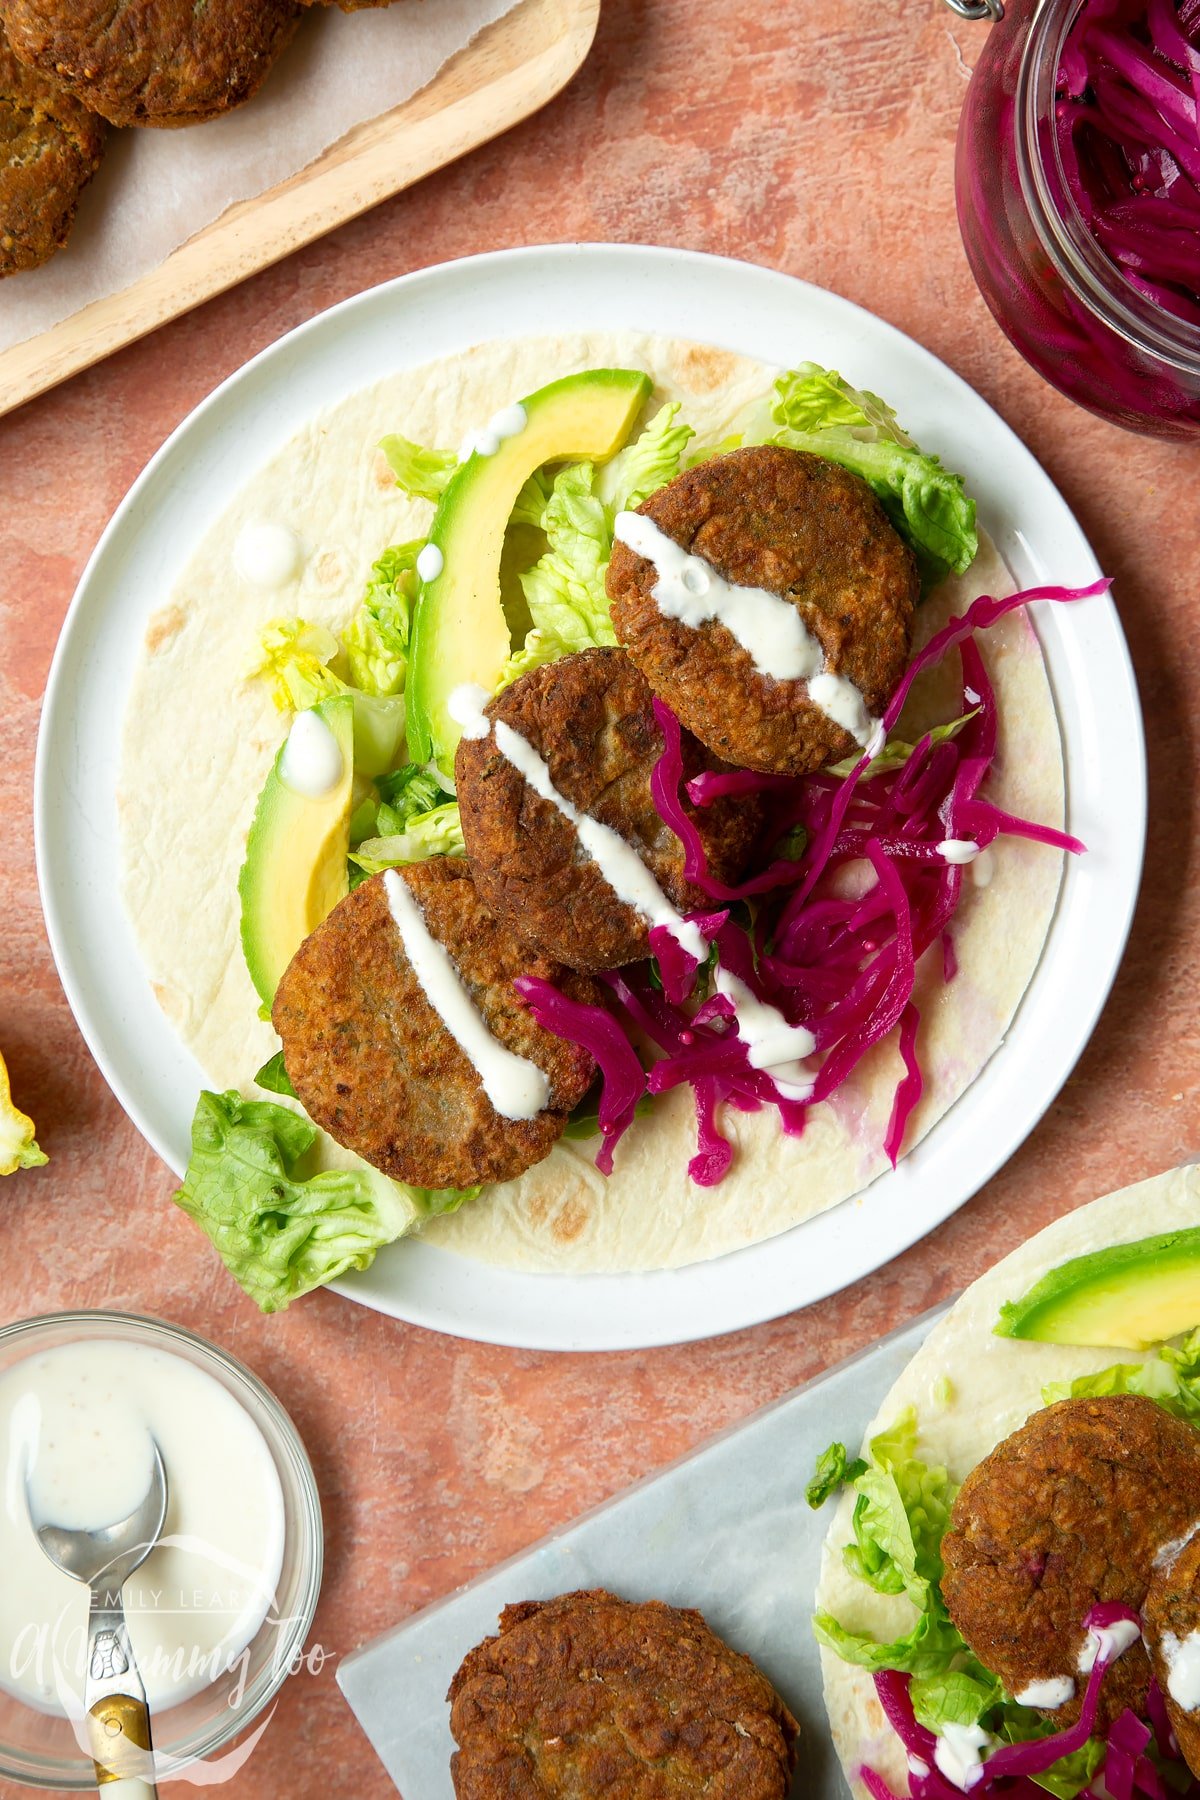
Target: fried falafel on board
(1008, 1592)
(642, 741)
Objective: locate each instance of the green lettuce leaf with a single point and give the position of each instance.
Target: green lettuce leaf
(436, 833)
(896, 752)
(422, 474)
(814, 409)
(396, 798)
(647, 464)
(1171, 1377)
(279, 1233)
(376, 639)
(831, 1471)
(297, 658)
(952, 1697)
(533, 499)
(539, 647)
(273, 1076)
(564, 591)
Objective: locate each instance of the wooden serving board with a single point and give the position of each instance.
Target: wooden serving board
(510, 70)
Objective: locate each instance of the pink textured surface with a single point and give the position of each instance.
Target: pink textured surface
(816, 138)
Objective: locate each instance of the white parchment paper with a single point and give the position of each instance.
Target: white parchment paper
(155, 188)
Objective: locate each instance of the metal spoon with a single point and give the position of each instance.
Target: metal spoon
(114, 1697)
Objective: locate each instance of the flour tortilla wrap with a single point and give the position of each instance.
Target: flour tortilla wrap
(995, 1383)
(200, 738)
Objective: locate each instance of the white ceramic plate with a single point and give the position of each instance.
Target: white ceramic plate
(216, 451)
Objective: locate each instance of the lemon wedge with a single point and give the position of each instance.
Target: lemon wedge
(17, 1148)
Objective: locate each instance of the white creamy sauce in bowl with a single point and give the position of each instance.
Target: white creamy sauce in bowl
(516, 1087)
(266, 555)
(312, 762)
(768, 627)
(80, 1421)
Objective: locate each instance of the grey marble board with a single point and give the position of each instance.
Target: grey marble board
(726, 1530)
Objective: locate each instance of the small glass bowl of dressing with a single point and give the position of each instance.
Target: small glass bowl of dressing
(1056, 294)
(200, 1717)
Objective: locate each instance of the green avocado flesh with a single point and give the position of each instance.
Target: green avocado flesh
(295, 868)
(459, 629)
(1127, 1297)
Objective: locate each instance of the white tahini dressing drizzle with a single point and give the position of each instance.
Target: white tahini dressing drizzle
(509, 422)
(1169, 1553)
(958, 1753)
(771, 1043)
(430, 562)
(918, 1766)
(617, 861)
(958, 850)
(1054, 1691)
(516, 1087)
(1182, 1657)
(311, 763)
(266, 555)
(776, 638)
(1110, 1641)
(983, 868)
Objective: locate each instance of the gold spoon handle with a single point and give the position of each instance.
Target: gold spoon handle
(119, 1731)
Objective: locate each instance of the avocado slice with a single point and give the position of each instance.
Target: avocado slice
(1128, 1297)
(459, 629)
(295, 868)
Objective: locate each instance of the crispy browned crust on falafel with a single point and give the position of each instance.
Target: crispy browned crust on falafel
(588, 1695)
(1072, 1509)
(802, 528)
(152, 62)
(375, 1066)
(1172, 1610)
(590, 717)
(50, 147)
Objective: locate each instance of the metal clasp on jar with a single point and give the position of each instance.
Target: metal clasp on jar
(978, 9)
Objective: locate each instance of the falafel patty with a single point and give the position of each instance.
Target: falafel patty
(588, 1695)
(152, 62)
(1172, 1615)
(374, 1064)
(590, 718)
(50, 147)
(801, 528)
(1072, 1509)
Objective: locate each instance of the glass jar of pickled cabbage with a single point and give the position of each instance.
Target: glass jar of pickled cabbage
(1107, 333)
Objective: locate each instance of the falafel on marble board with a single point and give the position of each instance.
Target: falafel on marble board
(152, 62)
(590, 718)
(375, 1065)
(588, 1694)
(50, 147)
